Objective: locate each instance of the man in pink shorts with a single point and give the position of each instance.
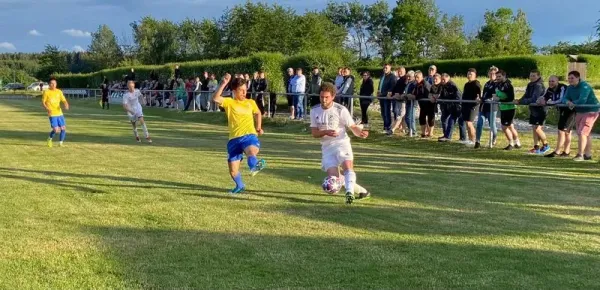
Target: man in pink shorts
(580, 96)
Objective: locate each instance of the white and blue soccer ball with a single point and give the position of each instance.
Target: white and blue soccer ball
(332, 184)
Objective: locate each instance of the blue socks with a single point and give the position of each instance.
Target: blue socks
(63, 134)
(52, 134)
(238, 180)
(252, 161)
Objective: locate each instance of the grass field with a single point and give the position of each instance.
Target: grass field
(106, 212)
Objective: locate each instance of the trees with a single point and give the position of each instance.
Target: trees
(104, 49)
(414, 26)
(505, 34)
(52, 61)
(156, 41)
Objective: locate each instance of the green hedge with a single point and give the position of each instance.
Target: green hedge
(269, 62)
(593, 65)
(515, 66)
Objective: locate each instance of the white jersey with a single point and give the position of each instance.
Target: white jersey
(132, 100)
(335, 118)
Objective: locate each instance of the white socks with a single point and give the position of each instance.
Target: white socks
(350, 180)
(135, 132)
(145, 129)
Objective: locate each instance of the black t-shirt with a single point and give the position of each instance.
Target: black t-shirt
(472, 90)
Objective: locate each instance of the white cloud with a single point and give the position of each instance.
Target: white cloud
(77, 33)
(78, 48)
(35, 33)
(7, 46)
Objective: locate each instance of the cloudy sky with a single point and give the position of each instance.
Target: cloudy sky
(27, 25)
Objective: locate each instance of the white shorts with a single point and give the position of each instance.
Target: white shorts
(335, 154)
(138, 114)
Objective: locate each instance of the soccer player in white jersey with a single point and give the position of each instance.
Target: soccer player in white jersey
(329, 121)
(131, 104)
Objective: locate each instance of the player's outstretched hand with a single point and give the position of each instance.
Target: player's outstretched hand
(364, 134)
(260, 132)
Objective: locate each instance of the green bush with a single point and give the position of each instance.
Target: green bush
(593, 65)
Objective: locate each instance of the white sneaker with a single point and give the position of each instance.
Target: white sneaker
(469, 143)
(465, 142)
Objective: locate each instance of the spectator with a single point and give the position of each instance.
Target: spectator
(315, 85)
(189, 84)
(177, 72)
(211, 87)
(432, 72)
(197, 93)
(487, 111)
(555, 95)
(260, 87)
(410, 106)
(427, 106)
(339, 79)
(366, 89)
(505, 93)
(580, 96)
(399, 104)
(470, 109)
(534, 94)
(451, 111)
(386, 87)
(105, 91)
(347, 90)
(298, 87)
(289, 95)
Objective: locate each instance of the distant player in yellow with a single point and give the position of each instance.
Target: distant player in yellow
(51, 100)
(243, 136)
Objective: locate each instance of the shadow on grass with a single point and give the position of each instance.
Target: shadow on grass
(153, 258)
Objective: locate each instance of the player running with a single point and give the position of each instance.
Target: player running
(243, 136)
(328, 121)
(131, 104)
(51, 100)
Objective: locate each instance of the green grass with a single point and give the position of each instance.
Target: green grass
(106, 212)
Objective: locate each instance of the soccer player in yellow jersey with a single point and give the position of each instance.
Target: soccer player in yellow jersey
(243, 136)
(51, 100)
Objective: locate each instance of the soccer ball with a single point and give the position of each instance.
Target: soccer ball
(332, 184)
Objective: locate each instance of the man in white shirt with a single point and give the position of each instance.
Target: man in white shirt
(328, 121)
(298, 88)
(131, 104)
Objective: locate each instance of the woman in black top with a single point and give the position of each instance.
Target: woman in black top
(427, 107)
(366, 89)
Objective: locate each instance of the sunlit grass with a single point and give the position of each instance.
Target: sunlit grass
(106, 212)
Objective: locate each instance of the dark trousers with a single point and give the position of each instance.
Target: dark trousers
(105, 104)
(386, 113)
(190, 98)
(364, 109)
(451, 116)
(260, 103)
(272, 104)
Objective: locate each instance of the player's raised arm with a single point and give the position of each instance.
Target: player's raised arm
(217, 98)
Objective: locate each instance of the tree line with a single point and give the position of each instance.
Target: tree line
(410, 32)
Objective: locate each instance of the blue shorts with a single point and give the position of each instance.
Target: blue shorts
(236, 146)
(58, 121)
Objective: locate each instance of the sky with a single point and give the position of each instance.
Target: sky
(28, 25)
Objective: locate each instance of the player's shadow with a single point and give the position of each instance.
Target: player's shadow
(79, 182)
(198, 259)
